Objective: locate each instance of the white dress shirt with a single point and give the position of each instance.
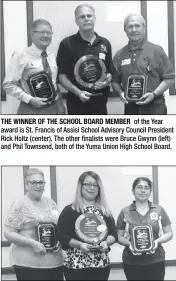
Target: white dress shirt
(23, 65)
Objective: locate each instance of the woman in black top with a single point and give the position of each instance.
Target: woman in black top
(82, 261)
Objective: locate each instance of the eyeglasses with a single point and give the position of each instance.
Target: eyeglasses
(35, 183)
(42, 33)
(136, 26)
(89, 185)
(140, 187)
(82, 17)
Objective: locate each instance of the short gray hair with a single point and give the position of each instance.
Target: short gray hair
(32, 171)
(126, 20)
(84, 5)
(38, 22)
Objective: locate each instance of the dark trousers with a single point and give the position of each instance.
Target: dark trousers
(29, 273)
(27, 109)
(148, 109)
(90, 273)
(154, 271)
(95, 106)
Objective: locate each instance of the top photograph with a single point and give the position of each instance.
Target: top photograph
(88, 58)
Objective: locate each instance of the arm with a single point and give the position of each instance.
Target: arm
(166, 236)
(118, 89)
(16, 238)
(166, 73)
(66, 230)
(66, 83)
(12, 79)
(162, 87)
(108, 63)
(165, 225)
(84, 247)
(14, 223)
(64, 59)
(112, 236)
(116, 79)
(121, 239)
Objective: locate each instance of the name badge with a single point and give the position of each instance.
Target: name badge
(102, 56)
(126, 61)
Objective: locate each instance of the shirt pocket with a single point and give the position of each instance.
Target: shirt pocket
(150, 66)
(32, 67)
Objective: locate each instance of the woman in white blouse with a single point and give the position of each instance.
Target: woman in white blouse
(29, 257)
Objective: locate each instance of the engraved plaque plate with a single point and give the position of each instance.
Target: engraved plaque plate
(46, 234)
(88, 70)
(136, 87)
(142, 238)
(91, 228)
(41, 85)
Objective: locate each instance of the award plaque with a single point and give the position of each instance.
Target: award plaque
(88, 70)
(91, 228)
(142, 238)
(41, 85)
(136, 87)
(46, 234)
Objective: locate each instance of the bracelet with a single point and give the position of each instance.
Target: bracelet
(154, 94)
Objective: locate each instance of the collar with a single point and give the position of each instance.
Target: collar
(79, 38)
(133, 205)
(37, 50)
(140, 47)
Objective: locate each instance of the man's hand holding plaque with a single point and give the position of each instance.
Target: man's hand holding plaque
(147, 98)
(84, 96)
(38, 102)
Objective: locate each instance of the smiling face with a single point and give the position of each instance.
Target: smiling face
(90, 188)
(85, 19)
(35, 186)
(142, 191)
(42, 36)
(135, 29)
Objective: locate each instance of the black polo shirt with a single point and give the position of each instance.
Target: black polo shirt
(74, 47)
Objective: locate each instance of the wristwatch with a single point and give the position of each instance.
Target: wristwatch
(154, 94)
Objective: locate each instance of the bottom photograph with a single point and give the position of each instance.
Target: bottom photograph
(88, 223)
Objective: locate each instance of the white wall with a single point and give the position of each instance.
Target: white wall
(167, 196)
(175, 36)
(15, 37)
(61, 16)
(157, 25)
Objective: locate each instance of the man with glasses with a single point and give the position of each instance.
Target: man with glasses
(145, 63)
(34, 59)
(73, 63)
